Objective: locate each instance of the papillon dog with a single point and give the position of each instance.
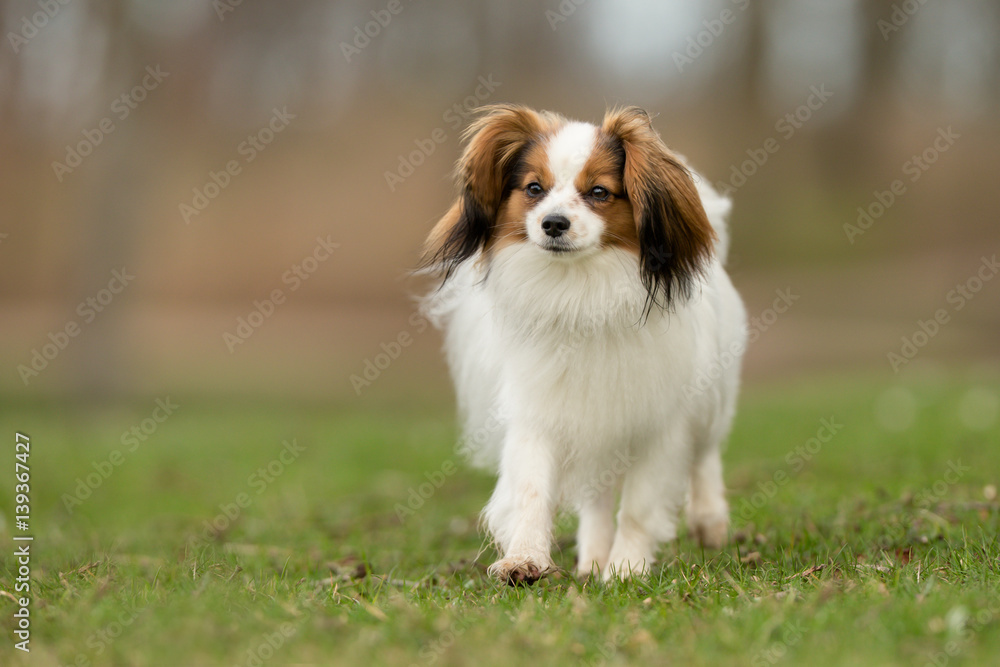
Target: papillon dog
(592, 334)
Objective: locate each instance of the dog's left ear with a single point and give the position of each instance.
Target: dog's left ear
(495, 142)
(675, 236)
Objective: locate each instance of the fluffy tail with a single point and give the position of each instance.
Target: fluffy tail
(717, 208)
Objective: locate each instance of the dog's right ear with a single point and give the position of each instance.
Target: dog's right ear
(494, 143)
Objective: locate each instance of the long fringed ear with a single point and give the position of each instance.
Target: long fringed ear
(675, 236)
(495, 141)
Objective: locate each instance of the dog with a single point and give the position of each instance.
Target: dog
(592, 334)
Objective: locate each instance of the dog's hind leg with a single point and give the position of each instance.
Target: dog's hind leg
(708, 511)
(596, 532)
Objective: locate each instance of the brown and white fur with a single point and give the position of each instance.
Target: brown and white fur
(588, 322)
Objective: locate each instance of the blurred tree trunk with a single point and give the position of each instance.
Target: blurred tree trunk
(750, 84)
(109, 216)
(854, 150)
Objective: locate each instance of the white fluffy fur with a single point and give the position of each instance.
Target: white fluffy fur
(574, 397)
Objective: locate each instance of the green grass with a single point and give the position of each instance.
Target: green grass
(867, 555)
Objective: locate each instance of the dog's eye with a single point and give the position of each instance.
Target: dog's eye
(599, 193)
(533, 189)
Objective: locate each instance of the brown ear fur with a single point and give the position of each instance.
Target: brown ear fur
(495, 141)
(675, 236)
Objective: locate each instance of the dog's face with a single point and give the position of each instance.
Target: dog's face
(571, 189)
(568, 196)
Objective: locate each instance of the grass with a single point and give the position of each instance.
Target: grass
(860, 550)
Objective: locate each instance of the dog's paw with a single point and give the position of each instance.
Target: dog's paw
(711, 533)
(521, 569)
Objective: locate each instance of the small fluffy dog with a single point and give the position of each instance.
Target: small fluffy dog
(592, 333)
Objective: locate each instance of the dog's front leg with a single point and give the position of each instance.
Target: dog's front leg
(519, 514)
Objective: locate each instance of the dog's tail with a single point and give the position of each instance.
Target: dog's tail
(717, 208)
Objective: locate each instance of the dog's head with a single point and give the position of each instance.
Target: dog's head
(570, 189)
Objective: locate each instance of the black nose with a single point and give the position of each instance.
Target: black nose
(555, 225)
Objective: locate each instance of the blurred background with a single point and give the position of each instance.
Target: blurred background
(224, 198)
